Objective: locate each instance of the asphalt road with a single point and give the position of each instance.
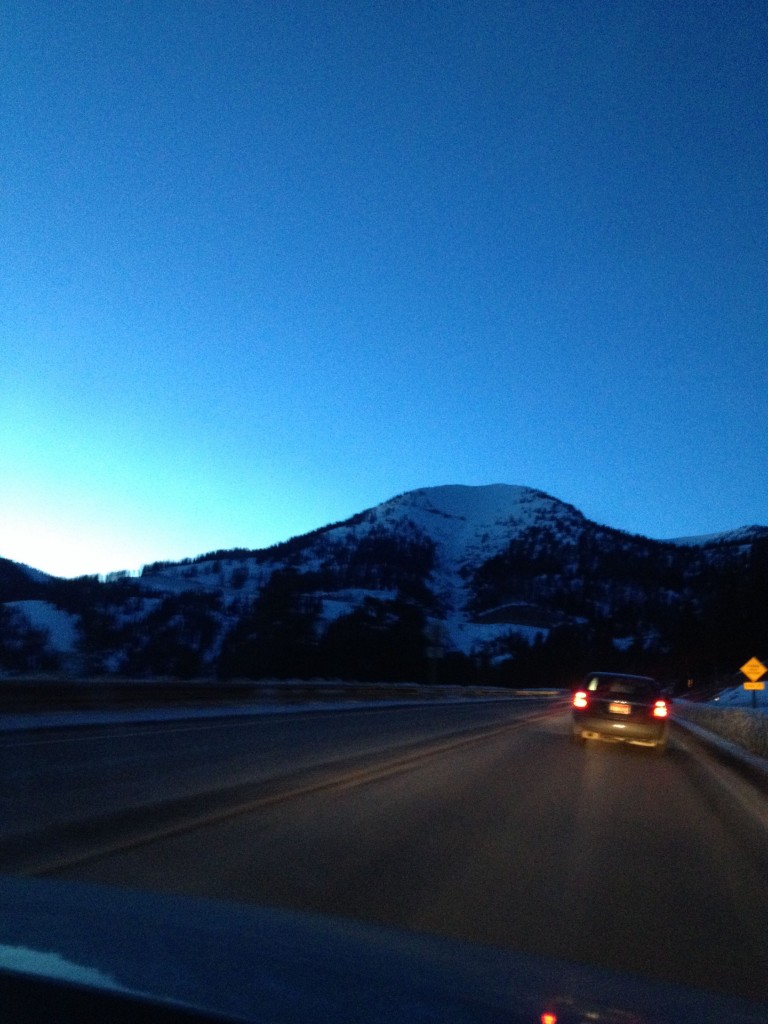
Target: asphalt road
(504, 833)
(195, 767)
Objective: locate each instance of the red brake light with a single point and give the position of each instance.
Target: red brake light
(580, 699)
(660, 709)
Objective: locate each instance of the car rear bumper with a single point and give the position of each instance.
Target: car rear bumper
(593, 726)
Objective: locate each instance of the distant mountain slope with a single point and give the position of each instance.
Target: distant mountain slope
(465, 580)
(20, 582)
(743, 535)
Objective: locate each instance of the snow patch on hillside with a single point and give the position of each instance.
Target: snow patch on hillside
(343, 602)
(474, 637)
(60, 625)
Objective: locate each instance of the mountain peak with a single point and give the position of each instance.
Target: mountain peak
(469, 524)
(490, 504)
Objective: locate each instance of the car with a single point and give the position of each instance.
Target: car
(621, 708)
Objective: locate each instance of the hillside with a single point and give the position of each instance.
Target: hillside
(459, 582)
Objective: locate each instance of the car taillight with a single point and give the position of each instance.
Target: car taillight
(660, 709)
(580, 699)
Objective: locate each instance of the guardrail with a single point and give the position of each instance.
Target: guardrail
(746, 727)
(31, 695)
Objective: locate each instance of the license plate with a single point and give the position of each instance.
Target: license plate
(619, 709)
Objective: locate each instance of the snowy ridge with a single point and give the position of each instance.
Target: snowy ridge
(741, 535)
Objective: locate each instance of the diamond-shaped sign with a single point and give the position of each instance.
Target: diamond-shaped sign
(754, 669)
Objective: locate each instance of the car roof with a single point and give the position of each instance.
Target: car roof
(620, 675)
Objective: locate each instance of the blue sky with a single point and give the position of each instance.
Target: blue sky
(269, 264)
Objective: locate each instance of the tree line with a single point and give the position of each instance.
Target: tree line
(610, 599)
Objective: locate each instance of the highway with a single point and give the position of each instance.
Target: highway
(479, 821)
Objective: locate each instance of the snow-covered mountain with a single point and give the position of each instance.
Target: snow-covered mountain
(467, 575)
(440, 535)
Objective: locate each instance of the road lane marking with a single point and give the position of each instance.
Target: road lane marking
(327, 777)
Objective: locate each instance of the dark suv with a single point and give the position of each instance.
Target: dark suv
(630, 709)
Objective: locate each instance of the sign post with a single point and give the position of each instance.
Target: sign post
(754, 670)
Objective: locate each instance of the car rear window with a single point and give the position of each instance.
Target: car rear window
(622, 687)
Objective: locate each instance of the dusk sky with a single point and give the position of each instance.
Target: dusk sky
(268, 264)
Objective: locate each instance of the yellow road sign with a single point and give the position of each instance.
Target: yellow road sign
(754, 669)
(754, 686)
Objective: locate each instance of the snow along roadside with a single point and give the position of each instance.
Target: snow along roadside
(752, 765)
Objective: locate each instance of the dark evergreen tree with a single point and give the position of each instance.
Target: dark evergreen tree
(379, 641)
(275, 638)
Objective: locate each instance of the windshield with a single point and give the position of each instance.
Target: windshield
(382, 496)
